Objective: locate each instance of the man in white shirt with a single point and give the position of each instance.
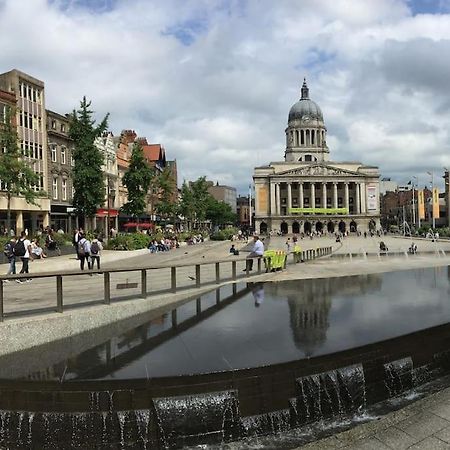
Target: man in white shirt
(257, 251)
(26, 257)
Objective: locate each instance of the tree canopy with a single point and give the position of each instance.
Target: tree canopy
(137, 180)
(198, 205)
(167, 205)
(87, 173)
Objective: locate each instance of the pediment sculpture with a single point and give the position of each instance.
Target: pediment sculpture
(320, 170)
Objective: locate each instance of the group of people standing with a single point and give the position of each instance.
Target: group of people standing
(18, 248)
(87, 251)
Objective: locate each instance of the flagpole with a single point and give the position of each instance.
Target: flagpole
(418, 214)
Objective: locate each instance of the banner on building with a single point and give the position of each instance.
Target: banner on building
(372, 198)
(435, 203)
(318, 211)
(421, 204)
(262, 199)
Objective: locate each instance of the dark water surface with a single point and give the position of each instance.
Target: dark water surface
(268, 323)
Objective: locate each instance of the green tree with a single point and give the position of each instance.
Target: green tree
(201, 195)
(186, 206)
(87, 173)
(219, 213)
(17, 177)
(137, 180)
(166, 206)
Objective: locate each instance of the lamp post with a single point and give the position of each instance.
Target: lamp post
(250, 206)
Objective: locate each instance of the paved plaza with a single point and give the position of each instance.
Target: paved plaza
(424, 424)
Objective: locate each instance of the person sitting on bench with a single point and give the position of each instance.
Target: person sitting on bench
(257, 251)
(383, 247)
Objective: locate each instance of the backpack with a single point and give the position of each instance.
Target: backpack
(19, 248)
(81, 251)
(95, 248)
(9, 250)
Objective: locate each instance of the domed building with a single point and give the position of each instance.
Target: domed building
(309, 193)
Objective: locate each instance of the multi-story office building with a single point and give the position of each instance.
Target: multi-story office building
(31, 127)
(222, 193)
(108, 216)
(60, 161)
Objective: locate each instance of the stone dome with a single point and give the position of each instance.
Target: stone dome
(305, 107)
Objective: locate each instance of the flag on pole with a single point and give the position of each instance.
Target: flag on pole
(435, 203)
(421, 204)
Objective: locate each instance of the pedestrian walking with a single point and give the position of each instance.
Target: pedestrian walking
(23, 250)
(9, 253)
(96, 249)
(84, 248)
(76, 239)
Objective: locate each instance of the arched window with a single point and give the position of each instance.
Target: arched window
(313, 135)
(302, 134)
(296, 138)
(307, 137)
(308, 158)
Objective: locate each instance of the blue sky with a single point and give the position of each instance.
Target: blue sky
(213, 80)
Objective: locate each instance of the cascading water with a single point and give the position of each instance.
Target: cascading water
(330, 394)
(398, 376)
(195, 419)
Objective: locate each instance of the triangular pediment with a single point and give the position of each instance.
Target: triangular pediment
(320, 170)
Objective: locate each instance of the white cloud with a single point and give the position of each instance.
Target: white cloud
(219, 105)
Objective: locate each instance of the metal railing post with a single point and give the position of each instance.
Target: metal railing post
(59, 294)
(173, 279)
(217, 273)
(107, 287)
(197, 275)
(143, 283)
(233, 270)
(1, 300)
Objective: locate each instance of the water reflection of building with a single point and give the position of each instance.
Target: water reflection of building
(310, 303)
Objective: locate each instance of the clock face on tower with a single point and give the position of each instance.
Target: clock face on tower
(305, 119)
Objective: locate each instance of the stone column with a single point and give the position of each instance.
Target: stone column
(312, 202)
(278, 202)
(289, 199)
(347, 202)
(46, 221)
(335, 194)
(272, 199)
(358, 200)
(363, 198)
(19, 222)
(324, 195)
(300, 200)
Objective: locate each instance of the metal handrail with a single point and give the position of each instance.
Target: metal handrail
(306, 255)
